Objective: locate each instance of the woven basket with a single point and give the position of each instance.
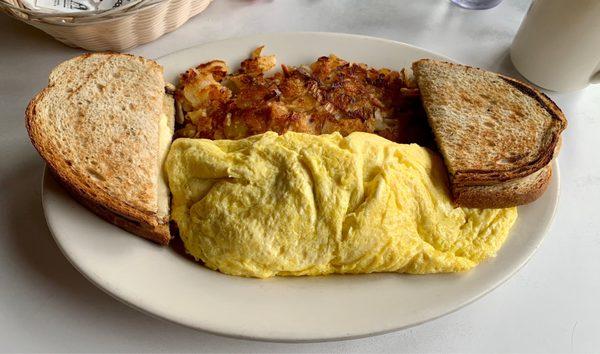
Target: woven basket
(116, 29)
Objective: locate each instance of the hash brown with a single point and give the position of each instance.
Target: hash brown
(326, 96)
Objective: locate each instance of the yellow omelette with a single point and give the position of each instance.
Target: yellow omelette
(299, 204)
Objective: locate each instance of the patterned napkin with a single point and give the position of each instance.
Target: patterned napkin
(71, 6)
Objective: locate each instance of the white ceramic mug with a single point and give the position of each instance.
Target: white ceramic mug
(557, 46)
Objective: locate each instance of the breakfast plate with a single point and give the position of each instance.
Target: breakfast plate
(159, 281)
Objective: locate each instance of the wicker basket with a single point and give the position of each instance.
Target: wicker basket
(117, 29)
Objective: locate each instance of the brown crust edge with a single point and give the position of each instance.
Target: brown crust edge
(159, 233)
(112, 210)
(498, 197)
(481, 177)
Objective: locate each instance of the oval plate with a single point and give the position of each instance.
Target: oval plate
(159, 281)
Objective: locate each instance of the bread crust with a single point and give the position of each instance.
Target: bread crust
(112, 209)
(158, 233)
(504, 195)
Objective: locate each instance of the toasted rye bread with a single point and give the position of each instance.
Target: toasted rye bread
(505, 194)
(98, 127)
(497, 135)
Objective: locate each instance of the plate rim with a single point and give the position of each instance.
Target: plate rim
(308, 33)
(205, 327)
(112, 294)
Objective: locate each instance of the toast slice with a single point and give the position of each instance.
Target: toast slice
(497, 135)
(104, 125)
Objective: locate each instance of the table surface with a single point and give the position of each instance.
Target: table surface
(551, 305)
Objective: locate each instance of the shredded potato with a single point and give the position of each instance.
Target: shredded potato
(329, 95)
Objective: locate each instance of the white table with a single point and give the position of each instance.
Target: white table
(552, 305)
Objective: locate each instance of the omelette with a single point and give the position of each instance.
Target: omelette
(299, 204)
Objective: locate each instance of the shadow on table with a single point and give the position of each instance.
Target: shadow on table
(24, 36)
(30, 237)
(503, 64)
(51, 276)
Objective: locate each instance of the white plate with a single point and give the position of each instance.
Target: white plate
(161, 282)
